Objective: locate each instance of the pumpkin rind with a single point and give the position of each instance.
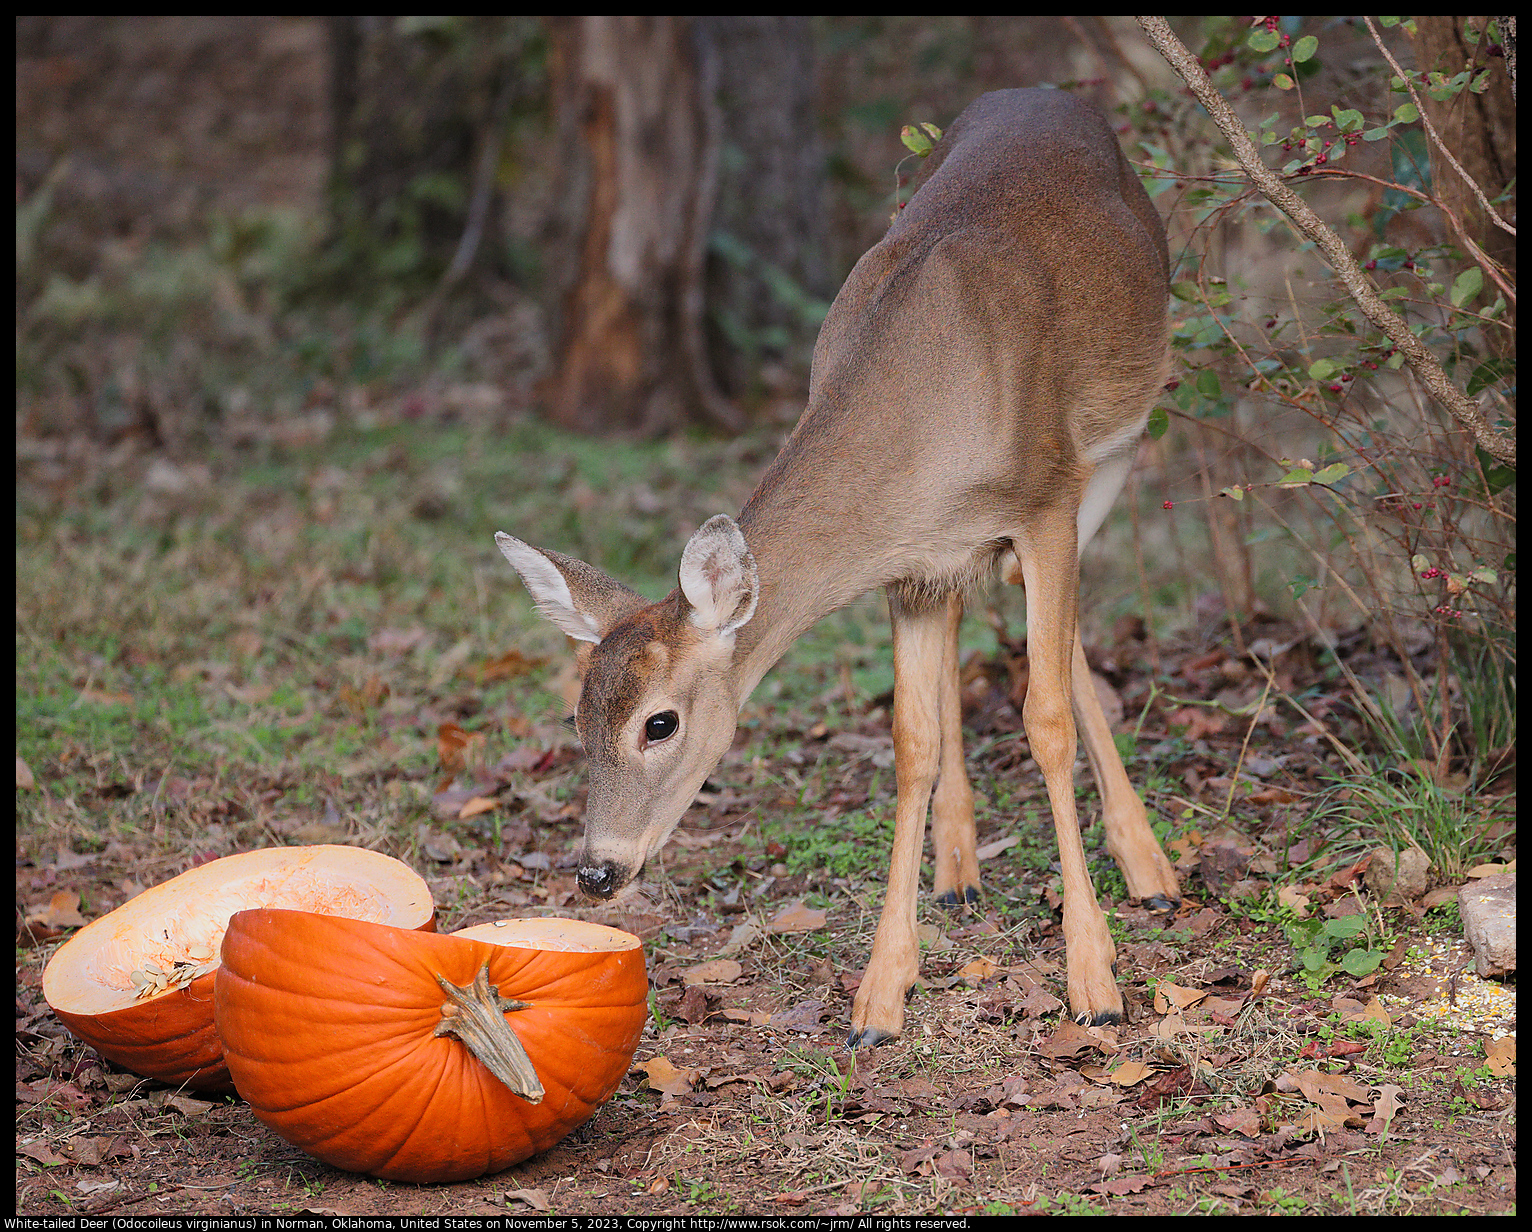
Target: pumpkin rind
(172, 1037)
(329, 1026)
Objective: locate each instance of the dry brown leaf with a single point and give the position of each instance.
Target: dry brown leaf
(507, 667)
(1130, 1073)
(62, 911)
(979, 969)
(1500, 1056)
(715, 971)
(1169, 996)
(42, 1153)
(667, 1078)
(24, 779)
(1384, 1108)
(537, 1199)
(1070, 1039)
(476, 805)
(796, 918)
(456, 748)
(1244, 1121)
(1001, 845)
(1295, 900)
(1372, 1011)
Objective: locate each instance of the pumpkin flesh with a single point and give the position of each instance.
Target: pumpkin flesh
(137, 984)
(331, 1029)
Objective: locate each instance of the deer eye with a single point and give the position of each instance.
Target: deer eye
(661, 726)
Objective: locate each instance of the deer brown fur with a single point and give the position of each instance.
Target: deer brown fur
(977, 394)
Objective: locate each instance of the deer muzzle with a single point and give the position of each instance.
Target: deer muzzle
(601, 880)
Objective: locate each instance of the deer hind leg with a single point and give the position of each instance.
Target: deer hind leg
(1049, 557)
(1129, 839)
(952, 831)
(920, 637)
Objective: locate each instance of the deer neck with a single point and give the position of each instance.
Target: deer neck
(809, 563)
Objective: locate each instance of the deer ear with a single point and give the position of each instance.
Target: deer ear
(718, 577)
(581, 600)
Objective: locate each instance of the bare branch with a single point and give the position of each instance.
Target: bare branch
(1431, 131)
(1424, 364)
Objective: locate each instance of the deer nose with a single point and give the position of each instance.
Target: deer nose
(598, 880)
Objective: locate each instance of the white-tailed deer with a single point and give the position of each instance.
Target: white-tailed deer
(977, 395)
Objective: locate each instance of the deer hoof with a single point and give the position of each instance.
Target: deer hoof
(958, 898)
(867, 1037)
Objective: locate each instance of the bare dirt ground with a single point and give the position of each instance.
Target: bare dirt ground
(1388, 1094)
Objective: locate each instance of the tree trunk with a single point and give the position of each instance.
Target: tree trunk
(1480, 130)
(637, 117)
(409, 100)
(768, 277)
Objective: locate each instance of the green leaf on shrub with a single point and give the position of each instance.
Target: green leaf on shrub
(1323, 369)
(915, 140)
(1305, 48)
(1406, 113)
(1466, 286)
(1361, 962)
(1333, 473)
(1159, 423)
(1263, 40)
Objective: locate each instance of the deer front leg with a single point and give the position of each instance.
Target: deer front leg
(1131, 842)
(877, 1013)
(952, 831)
(1050, 570)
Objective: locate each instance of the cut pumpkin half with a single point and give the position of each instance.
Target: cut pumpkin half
(137, 984)
(426, 1057)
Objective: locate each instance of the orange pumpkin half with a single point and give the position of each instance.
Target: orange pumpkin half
(137, 984)
(423, 1057)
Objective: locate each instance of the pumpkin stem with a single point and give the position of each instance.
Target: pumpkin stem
(476, 1015)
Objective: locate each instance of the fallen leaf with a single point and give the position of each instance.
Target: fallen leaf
(1384, 1108)
(537, 1199)
(42, 1153)
(62, 911)
(1500, 1056)
(1130, 1073)
(1245, 1121)
(476, 805)
(979, 969)
(1169, 996)
(1120, 1186)
(796, 918)
(187, 1106)
(715, 971)
(804, 1016)
(24, 779)
(667, 1078)
(693, 1004)
(1070, 1039)
(507, 667)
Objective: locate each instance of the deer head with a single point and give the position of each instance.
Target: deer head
(659, 689)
